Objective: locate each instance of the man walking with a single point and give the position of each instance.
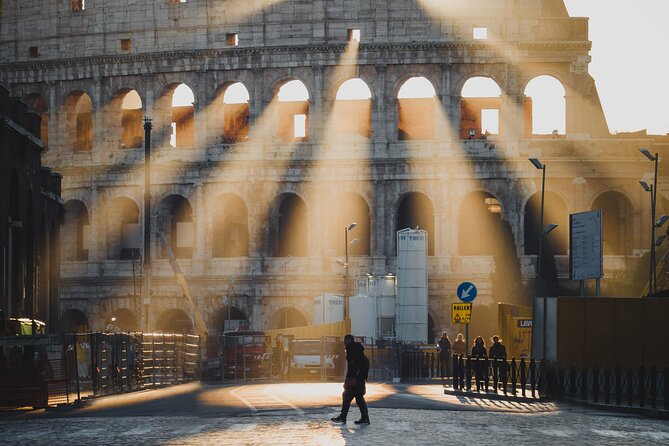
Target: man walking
(354, 384)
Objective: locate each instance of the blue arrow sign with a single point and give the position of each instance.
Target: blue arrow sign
(466, 292)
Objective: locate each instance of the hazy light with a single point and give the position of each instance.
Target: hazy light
(236, 94)
(481, 87)
(549, 109)
(293, 91)
(353, 89)
(417, 88)
(354, 34)
(183, 96)
(131, 101)
(480, 33)
(300, 126)
(490, 121)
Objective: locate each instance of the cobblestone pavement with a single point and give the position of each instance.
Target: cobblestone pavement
(281, 415)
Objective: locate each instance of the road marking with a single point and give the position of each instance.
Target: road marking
(261, 399)
(233, 392)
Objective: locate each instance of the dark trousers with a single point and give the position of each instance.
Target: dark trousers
(445, 364)
(346, 399)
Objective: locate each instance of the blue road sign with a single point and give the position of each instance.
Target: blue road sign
(466, 292)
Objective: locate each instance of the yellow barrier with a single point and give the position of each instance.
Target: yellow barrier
(338, 329)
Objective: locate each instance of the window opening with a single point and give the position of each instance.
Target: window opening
(480, 33)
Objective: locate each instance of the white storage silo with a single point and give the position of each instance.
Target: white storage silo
(412, 286)
(332, 311)
(362, 310)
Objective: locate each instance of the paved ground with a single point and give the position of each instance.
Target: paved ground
(286, 414)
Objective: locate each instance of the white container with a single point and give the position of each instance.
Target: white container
(332, 311)
(412, 306)
(362, 310)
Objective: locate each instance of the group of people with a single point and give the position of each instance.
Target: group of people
(496, 355)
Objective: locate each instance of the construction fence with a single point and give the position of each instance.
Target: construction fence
(49, 370)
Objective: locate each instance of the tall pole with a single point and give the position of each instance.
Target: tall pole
(653, 290)
(346, 272)
(146, 288)
(541, 232)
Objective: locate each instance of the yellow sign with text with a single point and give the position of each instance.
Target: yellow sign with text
(461, 313)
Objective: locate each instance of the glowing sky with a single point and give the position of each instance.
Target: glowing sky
(630, 61)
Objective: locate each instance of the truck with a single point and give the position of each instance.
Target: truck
(312, 358)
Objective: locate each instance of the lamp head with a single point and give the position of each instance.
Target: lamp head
(661, 221)
(549, 227)
(647, 154)
(351, 226)
(660, 239)
(340, 262)
(536, 163)
(645, 185)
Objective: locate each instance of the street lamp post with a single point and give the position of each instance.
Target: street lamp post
(541, 167)
(346, 231)
(652, 279)
(146, 286)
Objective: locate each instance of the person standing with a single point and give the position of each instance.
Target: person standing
(444, 355)
(498, 358)
(480, 358)
(354, 384)
(459, 346)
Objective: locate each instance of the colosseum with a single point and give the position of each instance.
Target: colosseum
(274, 125)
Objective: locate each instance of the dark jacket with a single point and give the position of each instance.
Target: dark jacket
(497, 351)
(479, 351)
(358, 368)
(444, 346)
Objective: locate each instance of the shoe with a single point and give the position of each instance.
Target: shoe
(339, 419)
(362, 421)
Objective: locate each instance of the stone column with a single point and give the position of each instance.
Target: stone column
(201, 249)
(317, 110)
(379, 129)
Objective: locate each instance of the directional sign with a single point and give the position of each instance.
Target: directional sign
(466, 292)
(461, 313)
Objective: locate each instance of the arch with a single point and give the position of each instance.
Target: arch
(479, 222)
(352, 112)
(123, 229)
(232, 103)
(415, 210)
(73, 321)
(350, 208)
(288, 317)
(182, 105)
(416, 109)
(175, 220)
(230, 227)
(78, 109)
(555, 211)
(123, 320)
(480, 106)
(293, 111)
(174, 321)
(617, 222)
(37, 102)
(126, 110)
(288, 231)
(229, 313)
(75, 231)
(545, 107)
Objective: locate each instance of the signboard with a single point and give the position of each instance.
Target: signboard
(585, 245)
(524, 323)
(466, 292)
(461, 313)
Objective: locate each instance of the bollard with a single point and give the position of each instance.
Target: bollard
(653, 388)
(523, 375)
(607, 386)
(572, 382)
(630, 387)
(619, 385)
(461, 365)
(469, 374)
(595, 384)
(533, 377)
(642, 387)
(514, 376)
(486, 374)
(584, 384)
(456, 373)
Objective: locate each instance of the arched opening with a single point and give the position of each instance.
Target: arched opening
(73, 321)
(293, 109)
(230, 318)
(183, 117)
(287, 318)
(289, 231)
(175, 220)
(75, 232)
(230, 227)
(174, 321)
(351, 208)
(480, 106)
(416, 109)
(235, 112)
(79, 121)
(555, 211)
(352, 111)
(415, 210)
(39, 104)
(545, 107)
(132, 130)
(122, 320)
(123, 230)
(478, 224)
(617, 222)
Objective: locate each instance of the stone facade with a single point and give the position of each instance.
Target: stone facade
(77, 66)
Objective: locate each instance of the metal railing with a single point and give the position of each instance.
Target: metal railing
(523, 377)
